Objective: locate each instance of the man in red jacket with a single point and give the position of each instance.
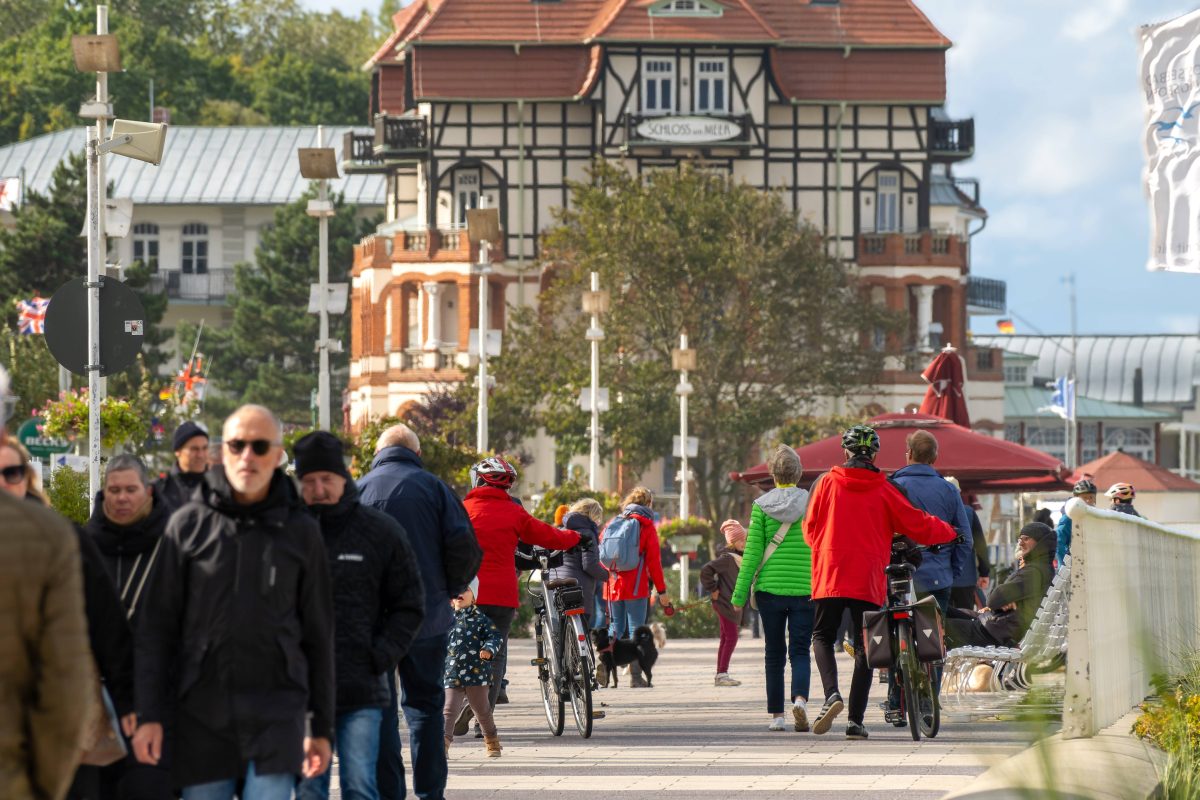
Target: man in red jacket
(852, 515)
(500, 523)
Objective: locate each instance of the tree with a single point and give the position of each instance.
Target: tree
(775, 321)
(44, 250)
(266, 356)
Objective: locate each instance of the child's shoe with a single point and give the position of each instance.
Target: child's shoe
(492, 743)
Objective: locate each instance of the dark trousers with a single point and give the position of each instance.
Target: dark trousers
(787, 623)
(964, 597)
(423, 700)
(502, 618)
(968, 633)
(826, 620)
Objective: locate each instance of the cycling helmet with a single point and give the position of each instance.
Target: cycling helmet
(1084, 487)
(1120, 491)
(494, 471)
(862, 440)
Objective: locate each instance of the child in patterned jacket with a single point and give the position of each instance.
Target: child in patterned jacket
(474, 640)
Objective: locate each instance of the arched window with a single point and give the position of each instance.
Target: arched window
(145, 244)
(195, 248)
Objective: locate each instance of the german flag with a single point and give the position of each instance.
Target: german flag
(1005, 326)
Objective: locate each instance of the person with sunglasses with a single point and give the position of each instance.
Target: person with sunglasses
(190, 444)
(18, 476)
(240, 630)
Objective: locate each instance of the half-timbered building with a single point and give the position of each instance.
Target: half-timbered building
(499, 103)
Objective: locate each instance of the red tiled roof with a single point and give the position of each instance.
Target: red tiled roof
(877, 23)
(1121, 467)
(403, 21)
(861, 75)
(534, 72)
(471, 21)
(631, 22)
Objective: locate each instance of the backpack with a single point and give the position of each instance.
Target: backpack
(620, 546)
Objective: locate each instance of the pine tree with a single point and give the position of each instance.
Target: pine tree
(267, 355)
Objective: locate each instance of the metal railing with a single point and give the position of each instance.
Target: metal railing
(358, 154)
(1135, 612)
(215, 285)
(400, 136)
(987, 293)
(952, 137)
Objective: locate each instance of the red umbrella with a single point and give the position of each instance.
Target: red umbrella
(980, 463)
(944, 398)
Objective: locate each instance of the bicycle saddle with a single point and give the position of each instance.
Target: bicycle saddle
(559, 583)
(899, 569)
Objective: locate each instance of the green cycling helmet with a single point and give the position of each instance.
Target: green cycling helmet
(861, 440)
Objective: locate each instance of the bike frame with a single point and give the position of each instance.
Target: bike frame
(555, 621)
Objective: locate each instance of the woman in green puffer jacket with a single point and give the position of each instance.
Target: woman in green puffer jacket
(783, 590)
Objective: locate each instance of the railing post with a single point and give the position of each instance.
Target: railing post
(1078, 719)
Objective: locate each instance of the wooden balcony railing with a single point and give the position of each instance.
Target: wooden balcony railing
(924, 248)
(953, 139)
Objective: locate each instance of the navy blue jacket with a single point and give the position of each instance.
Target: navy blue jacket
(930, 492)
(437, 525)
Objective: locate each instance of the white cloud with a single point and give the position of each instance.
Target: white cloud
(1098, 18)
(1180, 323)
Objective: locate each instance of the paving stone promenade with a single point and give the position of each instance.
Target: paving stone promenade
(687, 739)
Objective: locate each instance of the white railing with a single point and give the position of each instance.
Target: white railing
(1135, 611)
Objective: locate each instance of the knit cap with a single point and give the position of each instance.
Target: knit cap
(185, 433)
(736, 538)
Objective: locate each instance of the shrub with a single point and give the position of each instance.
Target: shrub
(68, 493)
(705, 529)
(1173, 723)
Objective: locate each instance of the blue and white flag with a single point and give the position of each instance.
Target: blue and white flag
(1062, 401)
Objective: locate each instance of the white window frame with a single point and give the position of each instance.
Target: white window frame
(888, 212)
(686, 8)
(707, 84)
(145, 244)
(194, 249)
(466, 196)
(659, 72)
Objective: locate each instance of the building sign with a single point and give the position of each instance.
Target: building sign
(10, 193)
(39, 446)
(689, 130)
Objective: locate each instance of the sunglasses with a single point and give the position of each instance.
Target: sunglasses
(14, 474)
(260, 446)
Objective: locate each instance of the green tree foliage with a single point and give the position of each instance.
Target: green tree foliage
(776, 323)
(800, 431)
(44, 250)
(267, 355)
(68, 494)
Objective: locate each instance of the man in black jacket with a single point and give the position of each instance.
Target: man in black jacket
(1013, 604)
(190, 445)
(242, 595)
(378, 604)
(442, 539)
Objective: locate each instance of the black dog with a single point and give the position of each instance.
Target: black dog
(619, 652)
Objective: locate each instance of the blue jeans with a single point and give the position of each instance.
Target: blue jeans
(423, 699)
(795, 613)
(258, 787)
(627, 616)
(358, 751)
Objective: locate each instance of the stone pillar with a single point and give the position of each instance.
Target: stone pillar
(924, 295)
(432, 324)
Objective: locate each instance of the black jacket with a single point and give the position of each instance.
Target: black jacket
(1026, 587)
(437, 526)
(128, 550)
(582, 565)
(108, 629)
(242, 593)
(177, 487)
(378, 598)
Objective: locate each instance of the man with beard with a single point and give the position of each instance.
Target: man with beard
(241, 594)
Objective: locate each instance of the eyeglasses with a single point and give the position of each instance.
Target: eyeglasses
(1023, 536)
(260, 446)
(14, 474)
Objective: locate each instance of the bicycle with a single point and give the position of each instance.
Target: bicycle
(917, 681)
(565, 661)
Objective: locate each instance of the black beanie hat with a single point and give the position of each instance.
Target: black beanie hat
(320, 451)
(186, 432)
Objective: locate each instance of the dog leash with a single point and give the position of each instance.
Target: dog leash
(671, 610)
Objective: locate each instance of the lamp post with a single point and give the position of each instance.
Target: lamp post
(683, 360)
(596, 303)
(320, 164)
(484, 268)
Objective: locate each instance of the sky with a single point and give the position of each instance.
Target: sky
(1054, 91)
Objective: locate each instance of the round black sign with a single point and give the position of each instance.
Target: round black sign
(122, 326)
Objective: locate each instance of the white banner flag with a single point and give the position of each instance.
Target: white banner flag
(1170, 64)
(10, 193)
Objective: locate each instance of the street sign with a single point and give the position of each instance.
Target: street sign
(335, 298)
(494, 341)
(122, 326)
(40, 446)
(693, 445)
(585, 399)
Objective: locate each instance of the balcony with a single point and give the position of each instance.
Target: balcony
(213, 286)
(952, 139)
(921, 249)
(358, 155)
(986, 296)
(401, 138)
(421, 247)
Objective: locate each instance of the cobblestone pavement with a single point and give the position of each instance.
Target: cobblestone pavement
(686, 738)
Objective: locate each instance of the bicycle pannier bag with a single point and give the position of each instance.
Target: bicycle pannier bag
(878, 638)
(927, 630)
(569, 598)
(620, 544)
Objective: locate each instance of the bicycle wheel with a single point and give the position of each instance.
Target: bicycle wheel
(578, 678)
(931, 711)
(910, 699)
(551, 699)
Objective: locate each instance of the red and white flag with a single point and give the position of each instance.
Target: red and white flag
(1170, 66)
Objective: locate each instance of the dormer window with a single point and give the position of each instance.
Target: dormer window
(686, 8)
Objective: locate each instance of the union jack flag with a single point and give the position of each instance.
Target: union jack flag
(31, 315)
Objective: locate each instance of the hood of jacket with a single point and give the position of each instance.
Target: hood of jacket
(918, 471)
(1045, 542)
(333, 516)
(581, 523)
(857, 479)
(116, 540)
(396, 454)
(641, 511)
(282, 497)
(786, 504)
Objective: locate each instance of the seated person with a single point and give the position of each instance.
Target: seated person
(1013, 604)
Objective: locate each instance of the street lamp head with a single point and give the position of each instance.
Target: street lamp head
(318, 163)
(96, 53)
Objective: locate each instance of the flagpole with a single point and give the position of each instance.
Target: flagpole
(1073, 427)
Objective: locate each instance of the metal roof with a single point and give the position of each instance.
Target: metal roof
(1105, 365)
(200, 166)
(1028, 402)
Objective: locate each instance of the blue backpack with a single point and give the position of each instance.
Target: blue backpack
(620, 546)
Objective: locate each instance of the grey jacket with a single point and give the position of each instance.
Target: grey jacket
(584, 567)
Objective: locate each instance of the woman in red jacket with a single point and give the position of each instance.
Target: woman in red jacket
(628, 592)
(500, 522)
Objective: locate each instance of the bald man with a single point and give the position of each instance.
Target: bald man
(241, 593)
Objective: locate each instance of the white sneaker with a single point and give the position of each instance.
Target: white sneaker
(800, 716)
(777, 725)
(723, 679)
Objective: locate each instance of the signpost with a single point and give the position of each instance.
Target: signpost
(38, 445)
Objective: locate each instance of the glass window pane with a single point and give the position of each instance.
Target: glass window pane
(666, 94)
(651, 95)
(702, 96)
(719, 94)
